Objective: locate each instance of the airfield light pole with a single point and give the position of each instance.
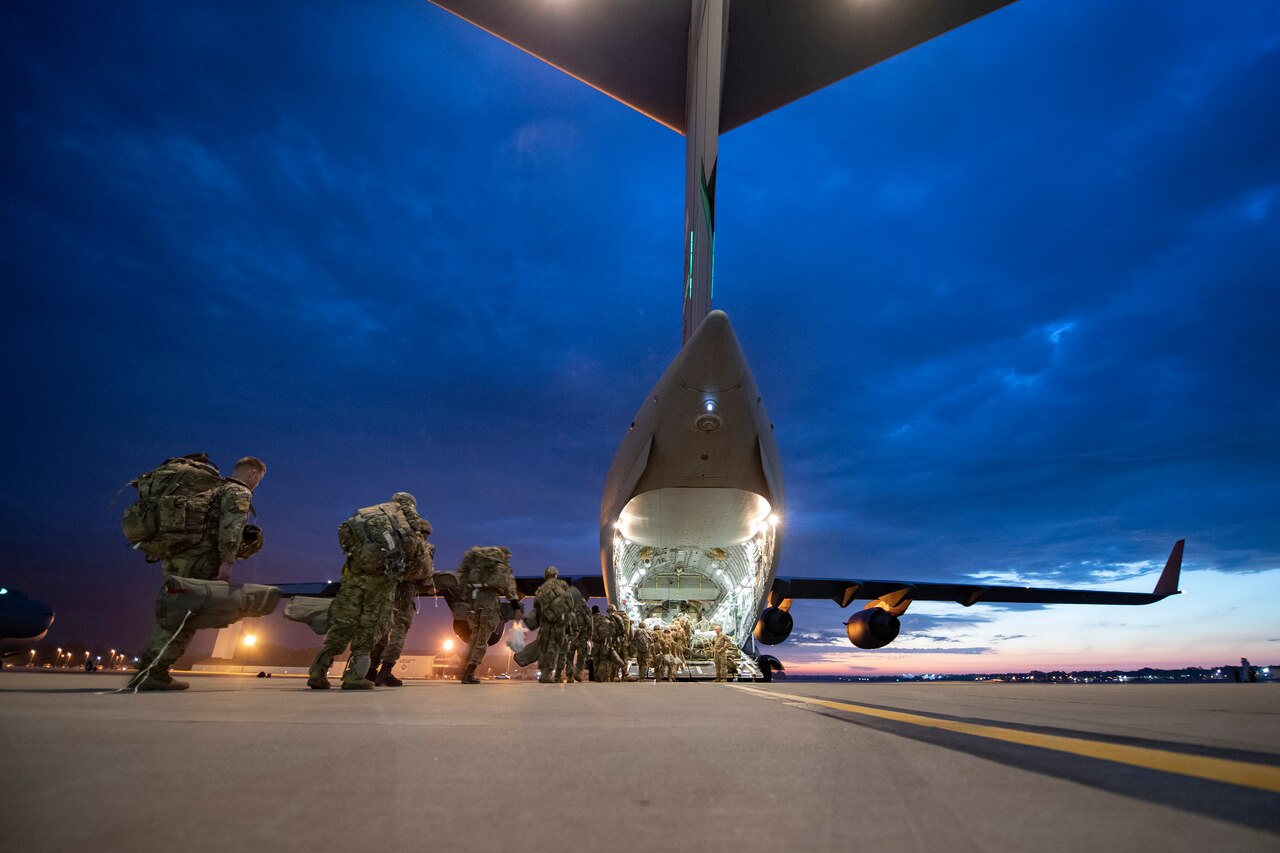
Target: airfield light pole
(250, 642)
(448, 647)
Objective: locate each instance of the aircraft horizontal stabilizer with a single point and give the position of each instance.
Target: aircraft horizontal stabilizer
(637, 51)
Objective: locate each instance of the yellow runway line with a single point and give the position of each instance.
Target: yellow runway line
(1260, 776)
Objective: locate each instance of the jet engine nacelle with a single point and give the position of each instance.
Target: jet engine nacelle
(872, 628)
(773, 626)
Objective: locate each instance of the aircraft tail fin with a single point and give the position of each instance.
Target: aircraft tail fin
(637, 51)
(1168, 582)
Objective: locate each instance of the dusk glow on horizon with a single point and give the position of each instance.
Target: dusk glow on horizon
(1009, 298)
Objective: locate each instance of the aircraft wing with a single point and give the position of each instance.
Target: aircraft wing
(326, 589)
(895, 592)
(591, 586)
(637, 51)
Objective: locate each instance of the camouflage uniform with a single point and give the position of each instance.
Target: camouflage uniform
(552, 639)
(601, 646)
(484, 617)
(359, 614)
(577, 653)
(642, 640)
(404, 606)
(661, 654)
(621, 641)
(232, 506)
(721, 650)
(681, 632)
(356, 617)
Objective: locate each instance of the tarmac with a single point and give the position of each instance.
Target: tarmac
(238, 763)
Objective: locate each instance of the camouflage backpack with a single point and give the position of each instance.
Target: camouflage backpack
(555, 602)
(421, 569)
(380, 539)
(171, 513)
(487, 567)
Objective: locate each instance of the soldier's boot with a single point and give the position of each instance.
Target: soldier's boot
(154, 678)
(318, 677)
(469, 677)
(318, 674)
(372, 672)
(156, 684)
(385, 677)
(352, 679)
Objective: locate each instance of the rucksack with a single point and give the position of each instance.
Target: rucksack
(420, 570)
(171, 513)
(487, 567)
(380, 539)
(555, 602)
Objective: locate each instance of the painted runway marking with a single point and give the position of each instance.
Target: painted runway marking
(1242, 773)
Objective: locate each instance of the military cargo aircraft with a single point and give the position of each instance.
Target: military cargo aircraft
(693, 512)
(23, 621)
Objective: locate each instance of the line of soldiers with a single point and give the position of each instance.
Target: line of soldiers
(610, 641)
(389, 563)
(196, 524)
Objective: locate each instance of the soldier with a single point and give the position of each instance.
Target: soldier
(661, 655)
(642, 640)
(721, 649)
(681, 633)
(577, 654)
(381, 542)
(601, 644)
(225, 536)
(404, 605)
(620, 639)
(554, 603)
(485, 575)
(628, 649)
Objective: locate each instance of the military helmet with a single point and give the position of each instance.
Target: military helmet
(405, 498)
(551, 572)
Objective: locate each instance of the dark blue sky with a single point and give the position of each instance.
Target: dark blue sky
(1011, 298)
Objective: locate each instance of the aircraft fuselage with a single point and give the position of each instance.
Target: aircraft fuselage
(690, 520)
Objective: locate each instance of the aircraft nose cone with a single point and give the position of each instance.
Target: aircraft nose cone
(25, 619)
(712, 358)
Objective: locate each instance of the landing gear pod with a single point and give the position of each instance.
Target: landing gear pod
(773, 626)
(872, 628)
(768, 666)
